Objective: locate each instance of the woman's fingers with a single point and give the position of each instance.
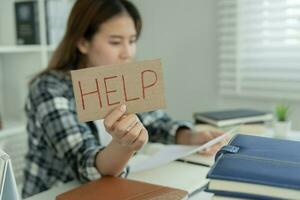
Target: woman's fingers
(126, 129)
(141, 140)
(216, 133)
(112, 117)
(132, 134)
(214, 148)
(207, 136)
(211, 150)
(124, 125)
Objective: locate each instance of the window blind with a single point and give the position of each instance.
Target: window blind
(259, 48)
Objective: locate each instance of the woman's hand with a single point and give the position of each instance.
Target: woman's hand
(126, 130)
(186, 136)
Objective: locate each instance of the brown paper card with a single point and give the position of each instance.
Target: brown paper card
(98, 90)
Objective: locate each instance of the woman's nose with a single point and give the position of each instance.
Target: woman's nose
(126, 53)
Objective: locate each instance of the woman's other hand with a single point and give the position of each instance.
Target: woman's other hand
(186, 136)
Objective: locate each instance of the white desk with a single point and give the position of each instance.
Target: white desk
(52, 193)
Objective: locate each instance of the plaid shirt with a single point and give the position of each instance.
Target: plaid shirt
(62, 149)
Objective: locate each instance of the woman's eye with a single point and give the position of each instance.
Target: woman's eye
(132, 41)
(115, 43)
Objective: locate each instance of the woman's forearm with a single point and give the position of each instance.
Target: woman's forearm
(112, 160)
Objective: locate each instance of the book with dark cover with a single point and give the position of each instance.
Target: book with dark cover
(27, 26)
(232, 117)
(257, 168)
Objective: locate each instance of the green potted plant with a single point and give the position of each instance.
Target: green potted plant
(282, 125)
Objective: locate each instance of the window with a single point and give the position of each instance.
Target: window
(259, 48)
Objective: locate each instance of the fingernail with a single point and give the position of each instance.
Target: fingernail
(123, 108)
(129, 128)
(123, 144)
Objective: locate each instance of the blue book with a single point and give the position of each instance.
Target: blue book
(255, 167)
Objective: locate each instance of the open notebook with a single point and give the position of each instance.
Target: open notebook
(171, 174)
(8, 186)
(185, 176)
(169, 153)
(157, 164)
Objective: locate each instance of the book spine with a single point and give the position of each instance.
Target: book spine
(27, 25)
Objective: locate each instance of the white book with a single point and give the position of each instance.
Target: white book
(171, 175)
(8, 186)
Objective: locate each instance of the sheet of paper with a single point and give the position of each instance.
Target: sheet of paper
(170, 175)
(3, 162)
(97, 90)
(174, 152)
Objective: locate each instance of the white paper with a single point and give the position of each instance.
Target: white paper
(174, 152)
(8, 188)
(104, 137)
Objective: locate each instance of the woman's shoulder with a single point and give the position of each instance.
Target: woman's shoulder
(52, 81)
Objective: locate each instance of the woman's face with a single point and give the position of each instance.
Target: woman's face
(114, 43)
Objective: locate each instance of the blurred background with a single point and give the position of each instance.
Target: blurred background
(216, 54)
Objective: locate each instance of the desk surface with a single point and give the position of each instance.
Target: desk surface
(52, 193)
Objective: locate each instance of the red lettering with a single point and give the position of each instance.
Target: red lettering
(150, 85)
(125, 92)
(111, 91)
(89, 93)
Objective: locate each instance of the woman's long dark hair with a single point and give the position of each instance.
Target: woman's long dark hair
(84, 21)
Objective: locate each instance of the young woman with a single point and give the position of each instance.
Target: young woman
(99, 32)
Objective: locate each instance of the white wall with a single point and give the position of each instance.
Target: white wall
(182, 34)
(7, 23)
(18, 70)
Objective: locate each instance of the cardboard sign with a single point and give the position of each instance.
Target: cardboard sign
(98, 90)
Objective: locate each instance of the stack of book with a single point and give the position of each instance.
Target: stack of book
(252, 167)
(232, 117)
